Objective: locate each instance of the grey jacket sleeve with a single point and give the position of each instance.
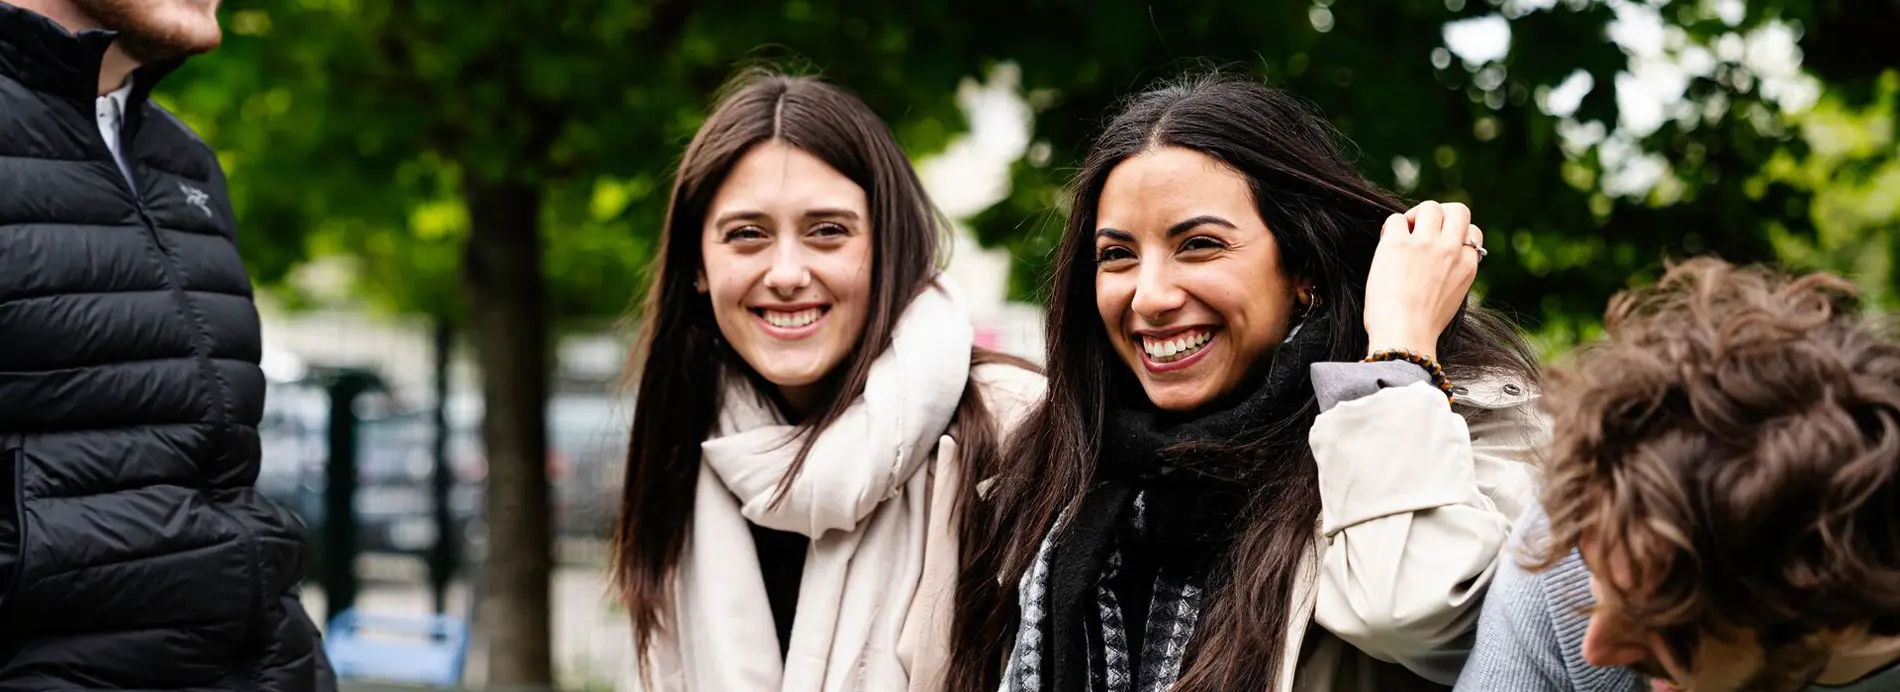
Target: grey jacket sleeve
(1334, 383)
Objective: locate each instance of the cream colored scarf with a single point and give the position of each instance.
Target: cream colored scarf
(861, 500)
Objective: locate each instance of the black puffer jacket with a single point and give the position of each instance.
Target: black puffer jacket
(134, 552)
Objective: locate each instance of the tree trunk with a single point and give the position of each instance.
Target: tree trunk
(445, 558)
(503, 282)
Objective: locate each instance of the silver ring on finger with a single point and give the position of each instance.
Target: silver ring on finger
(1475, 246)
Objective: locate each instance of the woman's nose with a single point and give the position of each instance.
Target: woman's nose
(1155, 293)
(789, 271)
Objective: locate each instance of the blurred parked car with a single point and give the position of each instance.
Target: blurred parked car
(395, 470)
(396, 467)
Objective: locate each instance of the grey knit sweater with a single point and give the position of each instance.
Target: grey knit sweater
(1530, 635)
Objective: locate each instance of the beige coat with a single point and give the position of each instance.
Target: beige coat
(1010, 394)
(1418, 501)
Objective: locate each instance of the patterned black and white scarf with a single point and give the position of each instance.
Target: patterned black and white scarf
(1159, 498)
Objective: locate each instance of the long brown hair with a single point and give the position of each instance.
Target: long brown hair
(1325, 218)
(677, 404)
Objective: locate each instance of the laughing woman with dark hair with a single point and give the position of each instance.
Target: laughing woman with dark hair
(812, 418)
(1279, 451)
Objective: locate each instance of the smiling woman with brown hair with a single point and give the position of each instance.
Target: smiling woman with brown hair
(813, 417)
(1278, 451)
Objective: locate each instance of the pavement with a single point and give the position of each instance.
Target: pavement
(591, 638)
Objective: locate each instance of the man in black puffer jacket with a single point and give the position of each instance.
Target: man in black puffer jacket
(134, 551)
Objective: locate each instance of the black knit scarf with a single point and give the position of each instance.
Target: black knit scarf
(1190, 500)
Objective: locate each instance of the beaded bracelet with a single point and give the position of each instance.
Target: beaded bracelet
(1419, 359)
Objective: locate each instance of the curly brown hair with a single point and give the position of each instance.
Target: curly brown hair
(1737, 437)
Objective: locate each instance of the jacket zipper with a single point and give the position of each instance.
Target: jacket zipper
(202, 337)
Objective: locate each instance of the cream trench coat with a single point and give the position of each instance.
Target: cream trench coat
(1418, 499)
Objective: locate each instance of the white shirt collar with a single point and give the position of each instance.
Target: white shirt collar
(111, 110)
(112, 104)
(122, 93)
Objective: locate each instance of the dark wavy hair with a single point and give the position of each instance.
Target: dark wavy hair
(677, 405)
(1325, 219)
(1737, 436)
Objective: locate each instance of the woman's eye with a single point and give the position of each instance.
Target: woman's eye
(744, 233)
(830, 230)
(1112, 253)
(1202, 243)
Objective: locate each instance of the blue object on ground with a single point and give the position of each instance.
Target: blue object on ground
(420, 649)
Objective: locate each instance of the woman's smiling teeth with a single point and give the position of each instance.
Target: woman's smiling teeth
(793, 319)
(1175, 347)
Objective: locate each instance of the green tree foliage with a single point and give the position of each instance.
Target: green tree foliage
(1856, 178)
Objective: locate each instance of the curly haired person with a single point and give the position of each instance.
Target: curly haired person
(1722, 502)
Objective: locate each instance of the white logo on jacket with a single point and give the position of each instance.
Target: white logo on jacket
(197, 198)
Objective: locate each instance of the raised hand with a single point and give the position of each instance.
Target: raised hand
(1420, 275)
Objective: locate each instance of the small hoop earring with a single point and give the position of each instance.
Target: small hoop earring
(1308, 301)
